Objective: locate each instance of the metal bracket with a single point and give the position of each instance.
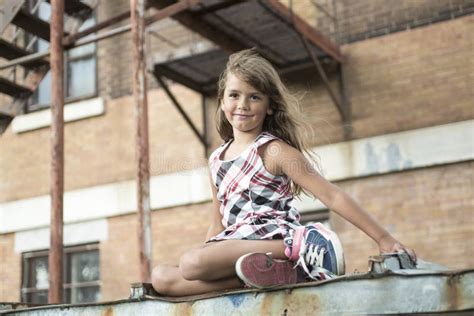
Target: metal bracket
(202, 137)
(138, 291)
(390, 262)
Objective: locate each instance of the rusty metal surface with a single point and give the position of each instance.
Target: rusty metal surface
(137, 9)
(410, 292)
(11, 306)
(55, 260)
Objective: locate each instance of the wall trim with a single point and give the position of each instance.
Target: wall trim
(72, 112)
(438, 145)
(74, 234)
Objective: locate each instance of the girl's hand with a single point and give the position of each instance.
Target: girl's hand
(388, 244)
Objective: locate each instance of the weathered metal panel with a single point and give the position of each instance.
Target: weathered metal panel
(412, 291)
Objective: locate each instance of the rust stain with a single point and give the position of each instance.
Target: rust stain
(183, 309)
(267, 304)
(453, 292)
(289, 303)
(301, 300)
(109, 311)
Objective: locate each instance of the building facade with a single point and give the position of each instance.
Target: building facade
(409, 73)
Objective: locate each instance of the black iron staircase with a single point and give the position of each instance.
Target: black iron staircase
(14, 15)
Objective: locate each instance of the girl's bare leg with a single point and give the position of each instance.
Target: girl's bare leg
(210, 267)
(216, 260)
(167, 280)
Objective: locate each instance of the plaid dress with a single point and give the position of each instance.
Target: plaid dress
(255, 204)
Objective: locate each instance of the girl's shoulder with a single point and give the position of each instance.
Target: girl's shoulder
(265, 137)
(216, 153)
(273, 151)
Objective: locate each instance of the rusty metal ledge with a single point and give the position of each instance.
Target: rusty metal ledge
(407, 292)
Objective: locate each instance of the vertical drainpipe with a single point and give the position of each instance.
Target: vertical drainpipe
(137, 10)
(55, 261)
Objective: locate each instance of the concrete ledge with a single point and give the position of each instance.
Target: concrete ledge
(389, 293)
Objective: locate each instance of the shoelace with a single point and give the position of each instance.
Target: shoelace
(314, 256)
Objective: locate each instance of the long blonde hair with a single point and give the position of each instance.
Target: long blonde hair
(286, 122)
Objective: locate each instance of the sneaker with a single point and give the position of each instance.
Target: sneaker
(260, 270)
(317, 250)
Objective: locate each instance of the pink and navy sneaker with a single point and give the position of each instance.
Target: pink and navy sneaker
(314, 253)
(261, 271)
(317, 250)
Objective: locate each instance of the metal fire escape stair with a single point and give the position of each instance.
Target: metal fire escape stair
(10, 51)
(32, 24)
(14, 13)
(13, 89)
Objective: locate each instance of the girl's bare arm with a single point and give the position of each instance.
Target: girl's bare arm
(293, 163)
(216, 218)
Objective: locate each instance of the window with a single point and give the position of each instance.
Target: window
(79, 69)
(81, 275)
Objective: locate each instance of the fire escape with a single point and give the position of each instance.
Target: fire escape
(281, 36)
(21, 28)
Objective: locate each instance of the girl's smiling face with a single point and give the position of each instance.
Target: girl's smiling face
(244, 106)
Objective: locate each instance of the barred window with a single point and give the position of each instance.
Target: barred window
(81, 275)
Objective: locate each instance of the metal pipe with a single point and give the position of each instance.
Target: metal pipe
(137, 10)
(70, 39)
(55, 263)
(25, 59)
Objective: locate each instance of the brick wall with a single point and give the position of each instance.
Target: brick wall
(397, 82)
(402, 81)
(10, 270)
(115, 54)
(428, 209)
(101, 150)
(358, 20)
(115, 61)
(175, 230)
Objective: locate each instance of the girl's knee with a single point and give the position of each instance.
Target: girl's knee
(191, 265)
(162, 279)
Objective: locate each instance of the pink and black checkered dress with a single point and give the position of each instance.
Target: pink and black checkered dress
(255, 204)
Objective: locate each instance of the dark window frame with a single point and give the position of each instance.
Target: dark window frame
(27, 277)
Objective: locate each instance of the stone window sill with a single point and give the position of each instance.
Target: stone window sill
(72, 112)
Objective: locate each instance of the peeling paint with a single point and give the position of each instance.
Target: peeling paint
(402, 291)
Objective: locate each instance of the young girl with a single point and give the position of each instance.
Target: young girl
(254, 237)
